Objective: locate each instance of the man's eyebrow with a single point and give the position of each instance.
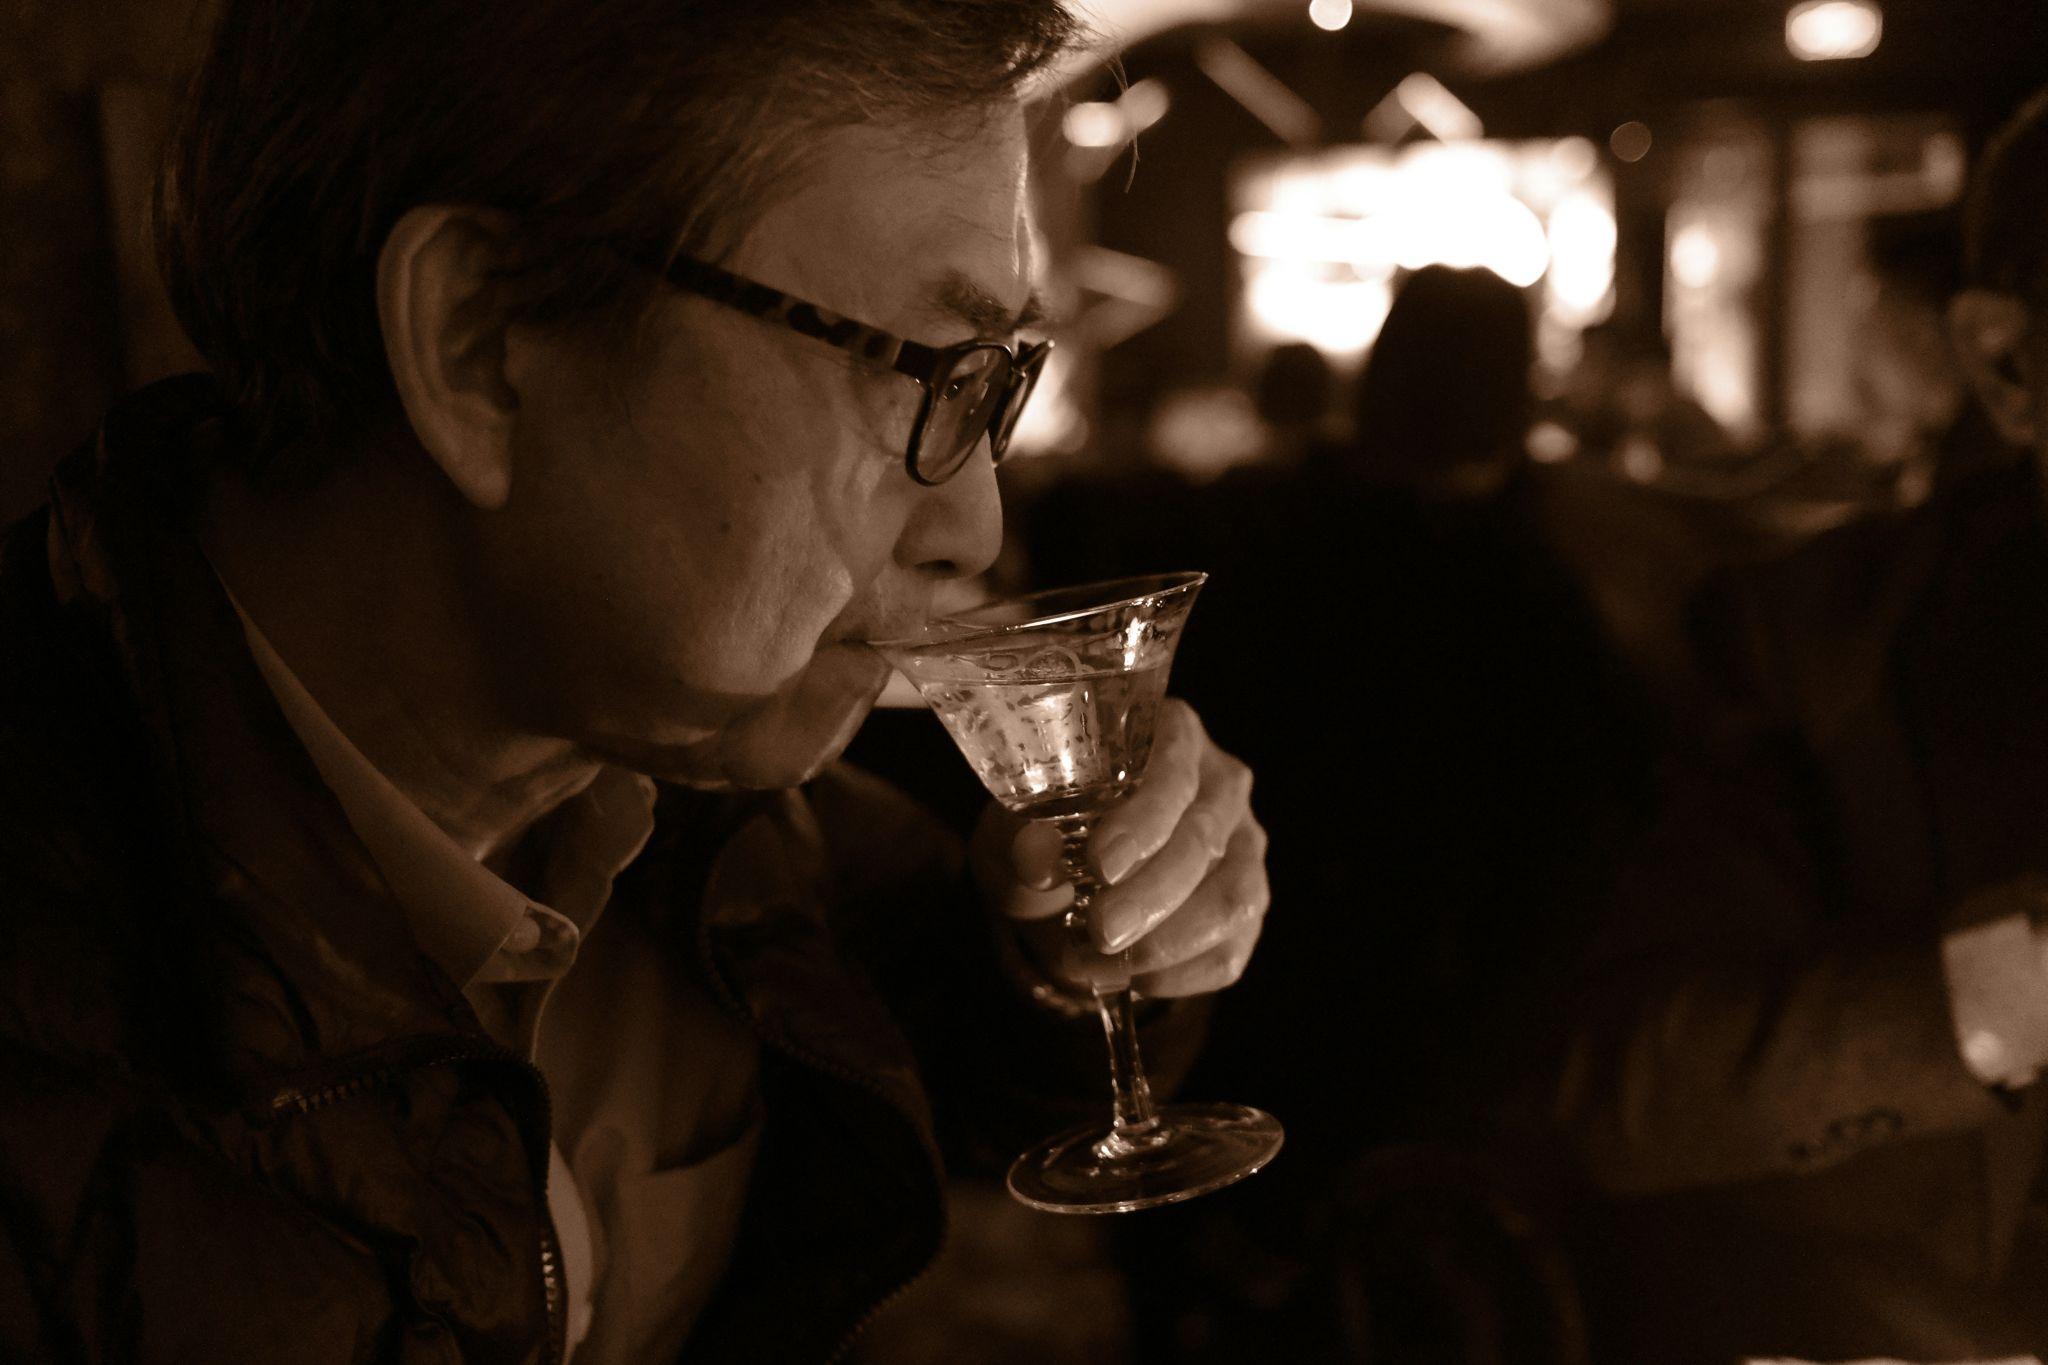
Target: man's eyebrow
(962, 298)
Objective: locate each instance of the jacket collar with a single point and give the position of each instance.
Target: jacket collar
(259, 830)
(745, 878)
(312, 958)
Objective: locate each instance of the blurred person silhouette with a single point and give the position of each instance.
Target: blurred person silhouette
(1624, 406)
(1918, 421)
(1294, 395)
(1444, 745)
(1799, 1063)
(1443, 402)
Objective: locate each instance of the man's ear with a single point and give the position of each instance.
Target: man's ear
(444, 336)
(1989, 332)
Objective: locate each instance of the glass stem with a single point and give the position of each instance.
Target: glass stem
(1137, 1126)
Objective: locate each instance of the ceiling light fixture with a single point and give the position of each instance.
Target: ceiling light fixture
(1833, 30)
(1443, 115)
(1329, 15)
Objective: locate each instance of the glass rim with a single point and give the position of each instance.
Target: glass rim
(1101, 595)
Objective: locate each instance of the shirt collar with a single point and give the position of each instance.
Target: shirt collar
(462, 913)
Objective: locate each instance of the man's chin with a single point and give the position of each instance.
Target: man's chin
(785, 740)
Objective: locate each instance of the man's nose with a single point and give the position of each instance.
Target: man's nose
(956, 529)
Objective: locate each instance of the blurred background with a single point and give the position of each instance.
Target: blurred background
(1734, 220)
(1458, 339)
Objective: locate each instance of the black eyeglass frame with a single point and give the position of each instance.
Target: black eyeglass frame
(927, 366)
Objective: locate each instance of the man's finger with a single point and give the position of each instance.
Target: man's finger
(1035, 855)
(1065, 957)
(1140, 826)
(1162, 887)
(1016, 864)
(1228, 904)
(1221, 966)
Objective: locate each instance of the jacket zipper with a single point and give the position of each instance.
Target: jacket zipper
(304, 1101)
(875, 1309)
(728, 999)
(297, 1100)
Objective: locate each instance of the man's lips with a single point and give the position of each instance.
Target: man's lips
(885, 628)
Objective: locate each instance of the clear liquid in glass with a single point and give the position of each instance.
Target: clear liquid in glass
(1055, 749)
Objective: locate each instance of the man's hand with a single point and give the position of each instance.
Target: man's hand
(1183, 867)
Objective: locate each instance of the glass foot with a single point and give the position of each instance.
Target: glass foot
(1195, 1149)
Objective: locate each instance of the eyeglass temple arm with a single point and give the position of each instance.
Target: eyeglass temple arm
(871, 344)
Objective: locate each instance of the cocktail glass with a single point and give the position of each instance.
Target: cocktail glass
(1052, 698)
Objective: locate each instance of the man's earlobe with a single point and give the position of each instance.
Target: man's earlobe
(1988, 331)
(445, 340)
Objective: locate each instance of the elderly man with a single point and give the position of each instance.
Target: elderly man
(1805, 1064)
(432, 929)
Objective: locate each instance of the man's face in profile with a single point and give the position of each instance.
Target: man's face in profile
(697, 532)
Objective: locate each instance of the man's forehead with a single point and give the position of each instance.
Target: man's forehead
(959, 295)
(970, 246)
(884, 226)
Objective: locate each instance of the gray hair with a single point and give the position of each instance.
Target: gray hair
(312, 126)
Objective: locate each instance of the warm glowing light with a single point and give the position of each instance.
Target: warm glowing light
(1582, 242)
(1549, 443)
(1640, 459)
(1695, 257)
(1574, 158)
(1112, 124)
(1832, 30)
(1144, 104)
(1338, 317)
(1492, 230)
(1326, 239)
(1329, 15)
(1094, 124)
(1203, 431)
(1430, 103)
(1053, 420)
(1631, 141)
(1723, 369)
(1502, 234)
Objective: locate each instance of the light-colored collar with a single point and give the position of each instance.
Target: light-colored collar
(470, 921)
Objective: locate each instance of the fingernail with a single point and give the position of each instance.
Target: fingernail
(1035, 871)
(1122, 939)
(1119, 853)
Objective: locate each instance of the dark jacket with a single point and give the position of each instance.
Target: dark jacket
(1759, 1063)
(243, 1118)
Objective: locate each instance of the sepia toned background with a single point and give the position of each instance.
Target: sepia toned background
(1755, 210)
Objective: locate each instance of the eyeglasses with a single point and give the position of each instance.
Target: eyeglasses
(971, 390)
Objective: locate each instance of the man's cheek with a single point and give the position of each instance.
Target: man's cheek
(762, 743)
(761, 634)
(805, 725)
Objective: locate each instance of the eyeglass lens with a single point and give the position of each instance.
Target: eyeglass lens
(1024, 383)
(961, 407)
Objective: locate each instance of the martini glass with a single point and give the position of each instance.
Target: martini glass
(1052, 698)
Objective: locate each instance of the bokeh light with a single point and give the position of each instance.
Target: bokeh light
(1833, 30)
(1329, 15)
(1631, 141)
(1323, 239)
